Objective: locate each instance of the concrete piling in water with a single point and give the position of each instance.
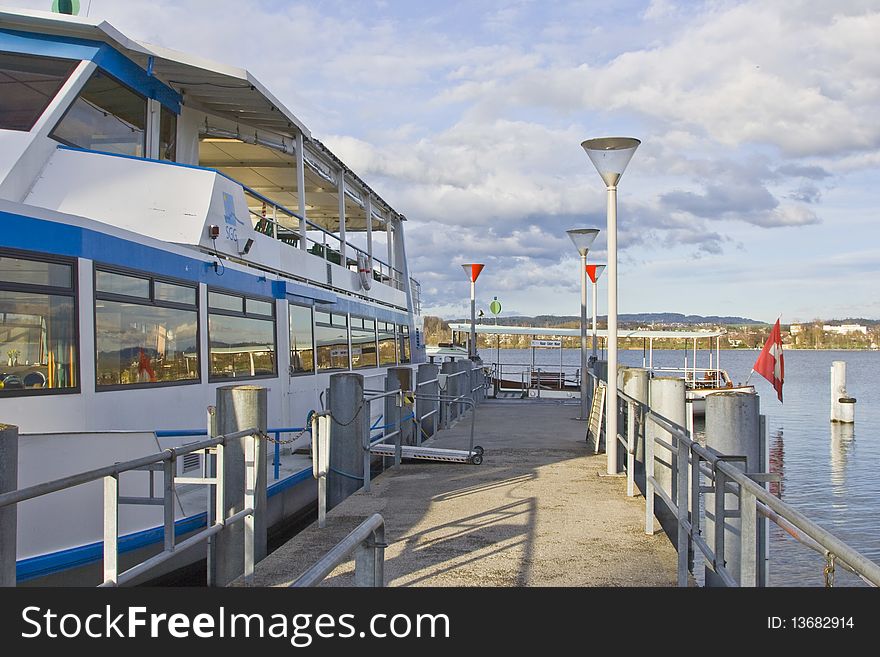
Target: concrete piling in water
(427, 372)
(240, 408)
(635, 384)
(8, 514)
(349, 424)
(732, 429)
(843, 407)
(667, 398)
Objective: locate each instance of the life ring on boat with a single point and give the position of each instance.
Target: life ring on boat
(364, 271)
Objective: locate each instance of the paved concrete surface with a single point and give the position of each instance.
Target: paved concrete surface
(535, 513)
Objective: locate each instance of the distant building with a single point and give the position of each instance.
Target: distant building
(794, 329)
(845, 329)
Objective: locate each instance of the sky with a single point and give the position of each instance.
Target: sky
(753, 193)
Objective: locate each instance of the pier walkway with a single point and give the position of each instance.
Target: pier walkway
(535, 513)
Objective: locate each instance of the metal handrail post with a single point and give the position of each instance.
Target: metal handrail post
(719, 513)
(630, 448)
(650, 527)
(748, 563)
(111, 529)
(684, 543)
(252, 444)
(168, 502)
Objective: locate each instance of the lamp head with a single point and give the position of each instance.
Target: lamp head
(610, 156)
(583, 238)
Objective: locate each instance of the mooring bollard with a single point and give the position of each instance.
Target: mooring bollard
(349, 425)
(843, 407)
(425, 401)
(732, 429)
(240, 408)
(635, 384)
(393, 409)
(8, 514)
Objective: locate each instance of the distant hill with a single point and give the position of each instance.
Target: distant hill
(642, 319)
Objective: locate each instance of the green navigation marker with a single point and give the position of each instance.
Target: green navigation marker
(70, 7)
(495, 306)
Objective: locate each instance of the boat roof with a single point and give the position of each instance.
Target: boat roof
(216, 87)
(491, 329)
(234, 94)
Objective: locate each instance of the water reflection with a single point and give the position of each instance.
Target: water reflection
(842, 445)
(777, 462)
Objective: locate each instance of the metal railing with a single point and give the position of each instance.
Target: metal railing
(689, 463)
(525, 376)
(276, 221)
(166, 462)
(367, 541)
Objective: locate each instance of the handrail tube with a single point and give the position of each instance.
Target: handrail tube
(374, 527)
(38, 490)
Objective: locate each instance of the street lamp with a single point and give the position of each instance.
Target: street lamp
(583, 239)
(472, 271)
(594, 272)
(610, 155)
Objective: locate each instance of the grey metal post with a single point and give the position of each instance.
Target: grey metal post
(635, 384)
(404, 377)
(393, 411)
(240, 408)
(448, 368)
(426, 372)
(349, 423)
(733, 429)
(210, 470)
(8, 514)
(667, 399)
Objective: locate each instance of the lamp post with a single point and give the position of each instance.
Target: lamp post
(473, 272)
(583, 239)
(610, 155)
(594, 272)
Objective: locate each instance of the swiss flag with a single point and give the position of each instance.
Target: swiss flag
(771, 364)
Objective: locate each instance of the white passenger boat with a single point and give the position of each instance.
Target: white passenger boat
(168, 227)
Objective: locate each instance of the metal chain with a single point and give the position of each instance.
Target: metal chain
(829, 570)
(282, 441)
(353, 417)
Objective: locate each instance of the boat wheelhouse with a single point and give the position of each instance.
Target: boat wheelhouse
(168, 227)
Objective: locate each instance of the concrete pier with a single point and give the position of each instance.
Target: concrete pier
(535, 513)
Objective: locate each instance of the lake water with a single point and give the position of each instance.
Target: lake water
(830, 472)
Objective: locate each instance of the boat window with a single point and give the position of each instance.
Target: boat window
(241, 336)
(302, 350)
(38, 345)
(146, 331)
(106, 116)
(129, 286)
(363, 343)
(28, 84)
(167, 135)
(218, 301)
(331, 341)
(387, 345)
(403, 343)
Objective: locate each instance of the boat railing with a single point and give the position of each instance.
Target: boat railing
(276, 221)
(694, 471)
(165, 462)
(696, 376)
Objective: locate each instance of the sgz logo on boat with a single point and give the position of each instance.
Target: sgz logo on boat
(229, 215)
